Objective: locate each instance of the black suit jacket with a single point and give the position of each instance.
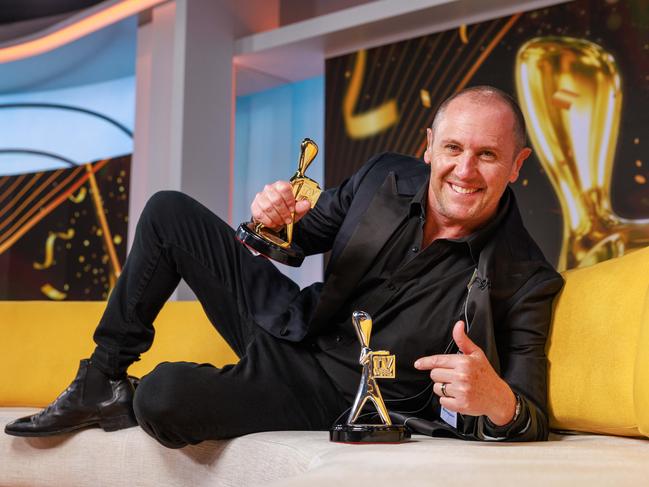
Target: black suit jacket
(510, 308)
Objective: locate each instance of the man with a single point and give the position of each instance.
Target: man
(438, 256)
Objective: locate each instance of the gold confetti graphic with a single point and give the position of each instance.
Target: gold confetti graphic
(49, 248)
(80, 196)
(53, 293)
(425, 98)
(463, 34)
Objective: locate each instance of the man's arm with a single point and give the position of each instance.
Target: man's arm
(521, 341)
(316, 228)
(513, 404)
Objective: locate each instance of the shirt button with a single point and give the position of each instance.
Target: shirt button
(415, 249)
(338, 338)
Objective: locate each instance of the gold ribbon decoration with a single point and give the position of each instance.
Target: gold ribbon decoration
(49, 248)
(371, 122)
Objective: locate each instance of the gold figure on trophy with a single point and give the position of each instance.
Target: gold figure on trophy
(278, 244)
(376, 365)
(570, 92)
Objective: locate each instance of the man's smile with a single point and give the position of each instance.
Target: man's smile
(463, 189)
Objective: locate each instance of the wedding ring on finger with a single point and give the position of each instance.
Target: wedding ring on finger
(444, 384)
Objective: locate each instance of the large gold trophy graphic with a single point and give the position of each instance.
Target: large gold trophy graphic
(278, 244)
(569, 90)
(376, 365)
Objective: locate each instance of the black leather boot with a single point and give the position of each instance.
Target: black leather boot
(92, 399)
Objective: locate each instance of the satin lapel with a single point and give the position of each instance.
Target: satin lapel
(386, 210)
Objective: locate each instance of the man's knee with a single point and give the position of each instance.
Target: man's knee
(156, 398)
(166, 203)
(160, 403)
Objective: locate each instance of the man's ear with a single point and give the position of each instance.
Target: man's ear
(428, 153)
(518, 163)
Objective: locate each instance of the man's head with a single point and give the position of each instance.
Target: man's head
(476, 146)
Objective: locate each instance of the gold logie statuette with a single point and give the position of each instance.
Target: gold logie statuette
(278, 244)
(570, 92)
(376, 365)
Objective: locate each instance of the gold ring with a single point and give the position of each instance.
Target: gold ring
(444, 389)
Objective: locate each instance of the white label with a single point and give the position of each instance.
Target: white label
(449, 417)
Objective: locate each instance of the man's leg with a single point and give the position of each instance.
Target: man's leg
(178, 237)
(277, 385)
(175, 237)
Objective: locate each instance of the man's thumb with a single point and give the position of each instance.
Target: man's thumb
(301, 208)
(462, 341)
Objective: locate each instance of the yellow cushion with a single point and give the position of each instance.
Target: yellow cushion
(42, 343)
(641, 383)
(593, 345)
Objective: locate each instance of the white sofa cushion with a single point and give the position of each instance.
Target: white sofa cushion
(301, 458)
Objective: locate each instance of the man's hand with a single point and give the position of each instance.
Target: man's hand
(472, 385)
(275, 204)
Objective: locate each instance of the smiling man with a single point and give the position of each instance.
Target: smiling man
(434, 251)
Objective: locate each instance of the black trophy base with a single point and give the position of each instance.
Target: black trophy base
(292, 256)
(369, 433)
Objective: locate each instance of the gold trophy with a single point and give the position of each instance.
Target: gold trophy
(278, 244)
(570, 92)
(376, 365)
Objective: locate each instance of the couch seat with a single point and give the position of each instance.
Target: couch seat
(301, 458)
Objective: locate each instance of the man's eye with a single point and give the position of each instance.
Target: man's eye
(488, 155)
(453, 147)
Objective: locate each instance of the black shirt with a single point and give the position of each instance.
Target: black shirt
(414, 296)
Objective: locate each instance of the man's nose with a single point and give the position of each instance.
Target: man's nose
(466, 164)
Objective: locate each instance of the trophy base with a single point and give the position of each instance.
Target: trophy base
(369, 433)
(292, 256)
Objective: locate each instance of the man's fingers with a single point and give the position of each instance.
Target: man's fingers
(450, 403)
(440, 389)
(442, 375)
(274, 205)
(435, 361)
(264, 212)
(281, 199)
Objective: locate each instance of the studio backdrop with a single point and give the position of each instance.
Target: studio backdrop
(580, 72)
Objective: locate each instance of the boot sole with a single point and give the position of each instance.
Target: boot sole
(108, 424)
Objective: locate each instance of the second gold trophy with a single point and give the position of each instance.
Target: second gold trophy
(277, 244)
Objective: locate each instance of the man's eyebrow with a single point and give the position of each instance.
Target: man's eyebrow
(451, 141)
(488, 148)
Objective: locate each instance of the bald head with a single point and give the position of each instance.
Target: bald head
(488, 95)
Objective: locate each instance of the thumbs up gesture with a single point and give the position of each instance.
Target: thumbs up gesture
(467, 383)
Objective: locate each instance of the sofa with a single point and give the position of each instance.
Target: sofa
(598, 370)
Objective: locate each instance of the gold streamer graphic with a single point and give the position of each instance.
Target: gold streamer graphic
(49, 248)
(53, 293)
(371, 122)
(80, 196)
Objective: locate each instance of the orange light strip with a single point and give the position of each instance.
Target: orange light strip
(73, 28)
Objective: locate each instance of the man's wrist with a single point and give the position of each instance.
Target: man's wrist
(507, 413)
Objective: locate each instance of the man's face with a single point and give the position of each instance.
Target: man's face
(472, 159)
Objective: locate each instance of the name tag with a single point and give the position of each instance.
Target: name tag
(449, 417)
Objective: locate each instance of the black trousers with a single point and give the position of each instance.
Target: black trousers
(276, 384)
